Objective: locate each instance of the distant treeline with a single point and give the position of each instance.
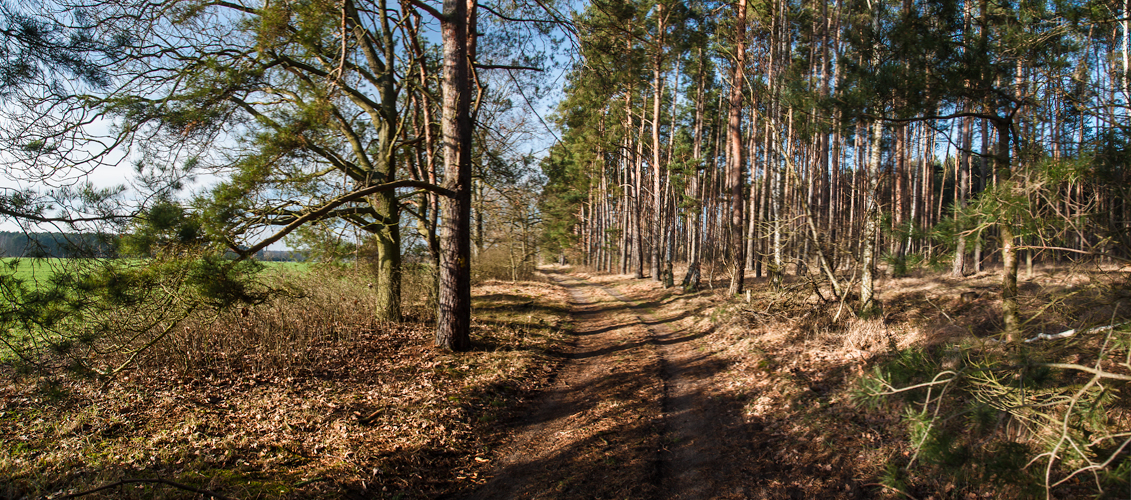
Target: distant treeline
(41, 245)
(65, 245)
(280, 256)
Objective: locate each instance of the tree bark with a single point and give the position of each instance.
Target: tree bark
(871, 223)
(734, 155)
(962, 192)
(638, 202)
(752, 222)
(657, 172)
(453, 321)
(1011, 310)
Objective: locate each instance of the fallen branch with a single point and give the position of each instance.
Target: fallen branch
(368, 419)
(205, 493)
(935, 381)
(1073, 250)
(897, 490)
(1069, 333)
(948, 318)
(1094, 371)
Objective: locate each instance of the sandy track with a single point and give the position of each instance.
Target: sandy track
(705, 437)
(634, 413)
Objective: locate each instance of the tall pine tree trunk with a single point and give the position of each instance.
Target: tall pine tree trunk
(752, 222)
(658, 212)
(657, 172)
(962, 192)
(638, 205)
(734, 155)
(453, 321)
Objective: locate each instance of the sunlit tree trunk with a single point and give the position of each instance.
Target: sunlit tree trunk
(626, 204)
(638, 204)
(962, 192)
(694, 185)
(453, 322)
(734, 154)
(871, 221)
(657, 172)
(752, 225)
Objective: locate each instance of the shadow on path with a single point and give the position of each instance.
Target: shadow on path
(635, 413)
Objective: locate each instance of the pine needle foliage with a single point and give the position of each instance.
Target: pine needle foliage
(1013, 420)
(95, 316)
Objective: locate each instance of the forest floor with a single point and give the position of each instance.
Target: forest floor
(667, 394)
(635, 413)
(360, 410)
(580, 386)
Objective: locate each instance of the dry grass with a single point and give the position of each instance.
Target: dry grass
(501, 263)
(302, 397)
(306, 396)
(799, 370)
(798, 363)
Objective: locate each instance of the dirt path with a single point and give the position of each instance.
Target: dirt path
(705, 437)
(634, 413)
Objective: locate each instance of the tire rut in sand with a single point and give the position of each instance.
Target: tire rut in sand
(705, 451)
(594, 432)
(635, 412)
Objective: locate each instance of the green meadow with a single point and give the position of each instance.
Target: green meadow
(30, 269)
(36, 273)
(41, 269)
(271, 265)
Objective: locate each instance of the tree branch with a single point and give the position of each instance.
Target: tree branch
(205, 493)
(1094, 371)
(63, 220)
(518, 20)
(429, 9)
(234, 6)
(335, 203)
(504, 66)
(341, 212)
(964, 114)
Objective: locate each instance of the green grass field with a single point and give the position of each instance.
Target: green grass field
(286, 266)
(30, 270)
(36, 274)
(38, 270)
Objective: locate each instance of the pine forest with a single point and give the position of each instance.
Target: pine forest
(553, 249)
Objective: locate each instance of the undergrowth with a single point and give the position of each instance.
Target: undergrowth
(925, 401)
(1013, 421)
(301, 396)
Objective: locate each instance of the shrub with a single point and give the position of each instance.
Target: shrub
(501, 263)
(1014, 422)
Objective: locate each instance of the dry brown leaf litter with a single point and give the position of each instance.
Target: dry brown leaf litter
(433, 414)
(296, 434)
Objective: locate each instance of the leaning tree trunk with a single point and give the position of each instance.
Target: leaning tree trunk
(453, 321)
